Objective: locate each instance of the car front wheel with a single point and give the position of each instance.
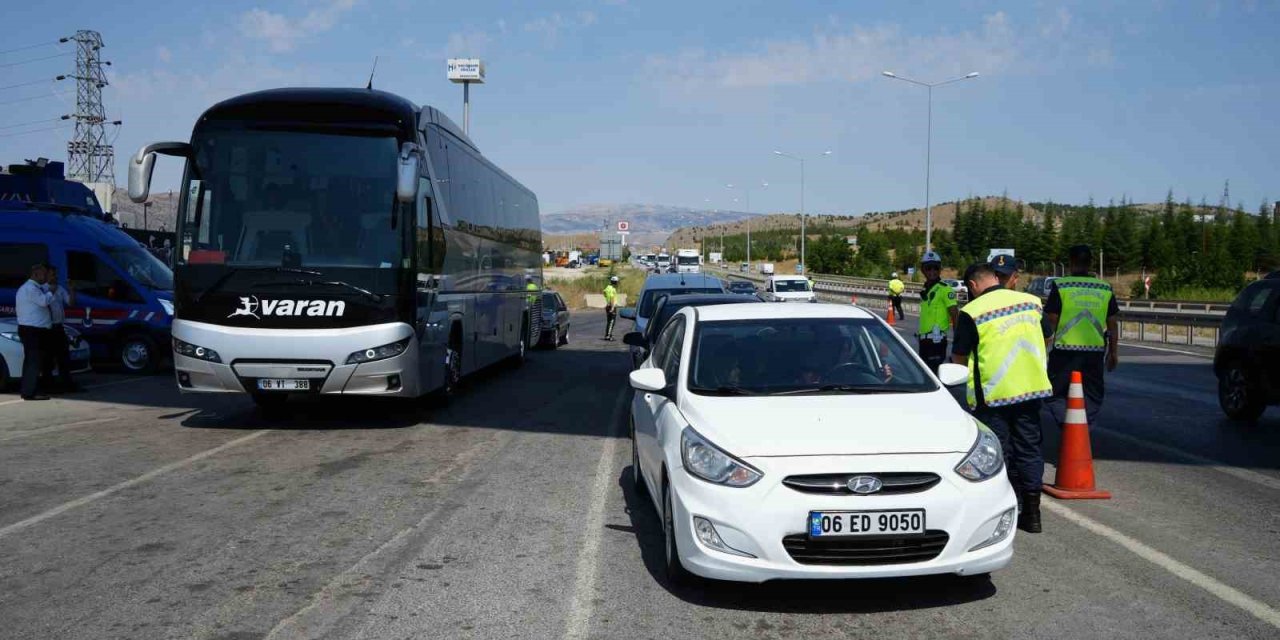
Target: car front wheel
(676, 573)
(1238, 396)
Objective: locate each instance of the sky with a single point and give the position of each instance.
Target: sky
(634, 101)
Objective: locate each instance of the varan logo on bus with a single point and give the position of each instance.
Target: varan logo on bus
(251, 306)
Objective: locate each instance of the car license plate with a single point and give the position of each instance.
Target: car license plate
(826, 524)
(286, 384)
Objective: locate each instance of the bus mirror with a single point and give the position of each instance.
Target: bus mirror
(407, 175)
(142, 164)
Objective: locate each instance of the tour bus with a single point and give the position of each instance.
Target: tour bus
(688, 261)
(344, 241)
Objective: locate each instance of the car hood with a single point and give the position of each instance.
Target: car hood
(835, 424)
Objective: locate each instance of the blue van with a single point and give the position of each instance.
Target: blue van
(124, 295)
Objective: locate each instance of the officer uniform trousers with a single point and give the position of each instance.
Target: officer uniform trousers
(1092, 368)
(1018, 428)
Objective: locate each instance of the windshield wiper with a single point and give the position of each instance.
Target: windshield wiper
(845, 388)
(234, 270)
(331, 283)
(726, 390)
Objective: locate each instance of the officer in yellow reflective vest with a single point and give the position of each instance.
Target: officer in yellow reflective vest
(1082, 313)
(532, 288)
(938, 308)
(610, 307)
(1000, 336)
(896, 287)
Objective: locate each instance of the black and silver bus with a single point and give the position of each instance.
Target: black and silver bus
(344, 241)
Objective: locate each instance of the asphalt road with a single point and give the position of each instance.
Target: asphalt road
(132, 511)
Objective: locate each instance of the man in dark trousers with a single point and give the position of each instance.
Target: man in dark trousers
(999, 336)
(57, 352)
(1082, 314)
(34, 323)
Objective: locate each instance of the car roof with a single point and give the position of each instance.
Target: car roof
(780, 312)
(695, 299)
(677, 280)
(788, 276)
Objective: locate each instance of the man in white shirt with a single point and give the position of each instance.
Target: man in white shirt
(34, 322)
(57, 352)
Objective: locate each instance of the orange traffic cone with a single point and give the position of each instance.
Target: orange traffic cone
(890, 317)
(1074, 479)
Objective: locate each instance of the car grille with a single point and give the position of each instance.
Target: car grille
(867, 551)
(837, 484)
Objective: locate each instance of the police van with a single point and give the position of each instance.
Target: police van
(124, 295)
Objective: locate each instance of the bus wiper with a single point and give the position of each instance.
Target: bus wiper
(217, 284)
(845, 388)
(331, 283)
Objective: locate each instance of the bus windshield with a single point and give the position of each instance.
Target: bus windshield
(687, 260)
(258, 196)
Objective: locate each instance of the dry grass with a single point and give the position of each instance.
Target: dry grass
(575, 291)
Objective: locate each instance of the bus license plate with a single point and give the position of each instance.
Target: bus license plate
(287, 384)
(826, 524)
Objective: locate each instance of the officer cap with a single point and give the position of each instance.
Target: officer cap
(613, 278)
(1004, 264)
(931, 257)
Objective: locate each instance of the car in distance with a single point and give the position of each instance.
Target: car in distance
(788, 289)
(664, 284)
(1245, 360)
(742, 287)
(809, 441)
(1041, 287)
(555, 321)
(956, 286)
(666, 308)
(11, 357)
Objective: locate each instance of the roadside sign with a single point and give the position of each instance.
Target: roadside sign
(466, 70)
(623, 226)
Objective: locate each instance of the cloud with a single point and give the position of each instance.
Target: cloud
(467, 44)
(282, 33)
(550, 27)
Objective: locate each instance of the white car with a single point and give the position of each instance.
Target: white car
(788, 289)
(11, 351)
(809, 441)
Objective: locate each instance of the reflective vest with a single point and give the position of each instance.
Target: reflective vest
(610, 295)
(1010, 355)
(896, 287)
(935, 316)
(532, 296)
(1082, 323)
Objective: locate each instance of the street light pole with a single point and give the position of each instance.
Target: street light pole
(928, 147)
(804, 267)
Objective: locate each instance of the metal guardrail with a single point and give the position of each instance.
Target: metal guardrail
(1159, 321)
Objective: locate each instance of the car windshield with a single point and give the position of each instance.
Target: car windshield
(742, 286)
(673, 305)
(142, 266)
(802, 356)
(651, 297)
(790, 286)
(326, 198)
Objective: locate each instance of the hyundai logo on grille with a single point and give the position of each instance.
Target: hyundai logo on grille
(865, 484)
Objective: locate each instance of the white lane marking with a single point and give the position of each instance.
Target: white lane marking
(581, 607)
(54, 429)
(80, 502)
(1267, 481)
(91, 386)
(1223, 592)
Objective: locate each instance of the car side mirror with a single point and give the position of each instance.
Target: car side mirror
(952, 374)
(635, 339)
(629, 313)
(652, 380)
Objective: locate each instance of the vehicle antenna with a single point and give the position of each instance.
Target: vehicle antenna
(371, 72)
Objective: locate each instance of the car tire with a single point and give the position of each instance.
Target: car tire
(564, 337)
(1239, 397)
(138, 354)
(4, 375)
(554, 342)
(676, 573)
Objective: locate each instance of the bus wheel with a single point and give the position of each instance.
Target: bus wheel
(138, 354)
(452, 377)
(522, 349)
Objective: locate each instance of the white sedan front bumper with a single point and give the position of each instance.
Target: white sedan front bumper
(755, 520)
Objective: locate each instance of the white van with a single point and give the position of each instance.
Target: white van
(688, 261)
(788, 289)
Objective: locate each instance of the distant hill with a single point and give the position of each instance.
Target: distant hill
(644, 218)
(162, 214)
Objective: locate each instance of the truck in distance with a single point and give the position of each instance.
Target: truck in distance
(688, 261)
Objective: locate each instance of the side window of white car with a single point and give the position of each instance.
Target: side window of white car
(671, 364)
(662, 347)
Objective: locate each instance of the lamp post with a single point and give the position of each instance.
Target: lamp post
(746, 194)
(803, 267)
(928, 147)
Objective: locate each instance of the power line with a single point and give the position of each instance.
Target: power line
(23, 133)
(30, 46)
(26, 84)
(39, 97)
(26, 124)
(56, 55)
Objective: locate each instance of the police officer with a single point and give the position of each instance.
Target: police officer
(532, 288)
(938, 308)
(896, 287)
(1079, 308)
(1000, 337)
(610, 307)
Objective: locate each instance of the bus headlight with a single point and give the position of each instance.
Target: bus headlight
(194, 351)
(378, 353)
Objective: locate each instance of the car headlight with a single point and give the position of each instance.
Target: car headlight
(167, 305)
(195, 351)
(11, 336)
(708, 462)
(985, 459)
(378, 353)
